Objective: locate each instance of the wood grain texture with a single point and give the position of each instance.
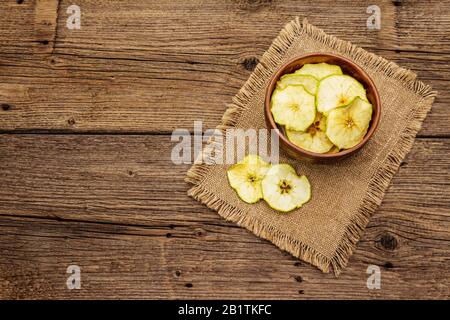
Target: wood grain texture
(114, 204)
(185, 59)
(206, 261)
(146, 239)
(131, 179)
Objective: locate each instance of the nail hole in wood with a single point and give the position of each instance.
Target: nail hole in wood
(250, 63)
(199, 233)
(389, 242)
(6, 107)
(189, 285)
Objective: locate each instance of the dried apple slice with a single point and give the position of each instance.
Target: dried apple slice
(347, 126)
(319, 70)
(336, 91)
(314, 139)
(293, 107)
(309, 82)
(245, 177)
(283, 189)
(334, 150)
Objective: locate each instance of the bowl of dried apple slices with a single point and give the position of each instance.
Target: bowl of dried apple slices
(322, 106)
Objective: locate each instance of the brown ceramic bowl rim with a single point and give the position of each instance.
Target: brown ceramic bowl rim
(374, 122)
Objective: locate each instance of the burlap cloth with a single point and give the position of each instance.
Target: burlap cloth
(324, 232)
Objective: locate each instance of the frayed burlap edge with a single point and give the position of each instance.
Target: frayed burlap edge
(379, 182)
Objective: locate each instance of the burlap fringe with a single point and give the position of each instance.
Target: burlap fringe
(281, 239)
(381, 179)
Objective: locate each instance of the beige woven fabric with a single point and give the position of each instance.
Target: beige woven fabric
(323, 232)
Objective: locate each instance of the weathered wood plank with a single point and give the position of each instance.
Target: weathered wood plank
(117, 207)
(100, 98)
(147, 25)
(181, 67)
(148, 239)
(212, 261)
(131, 179)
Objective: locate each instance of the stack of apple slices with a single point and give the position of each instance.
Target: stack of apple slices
(322, 109)
(279, 185)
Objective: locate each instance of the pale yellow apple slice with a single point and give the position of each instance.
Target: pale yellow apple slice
(283, 189)
(319, 70)
(336, 91)
(314, 138)
(334, 149)
(309, 82)
(245, 177)
(293, 107)
(347, 126)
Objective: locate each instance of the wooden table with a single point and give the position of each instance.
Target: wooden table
(85, 173)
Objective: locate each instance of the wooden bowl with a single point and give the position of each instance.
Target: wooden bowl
(348, 67)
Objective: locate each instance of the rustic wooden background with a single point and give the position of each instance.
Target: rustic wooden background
(85, 176)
